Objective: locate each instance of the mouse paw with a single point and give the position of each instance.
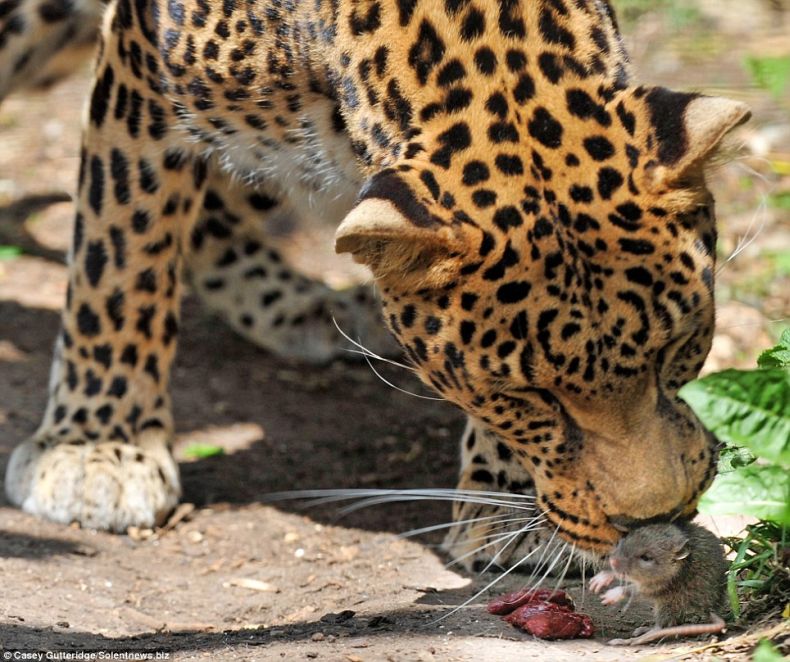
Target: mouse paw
(613, 595)
(601, 581)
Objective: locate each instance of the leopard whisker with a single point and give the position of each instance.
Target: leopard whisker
(584, 575)
(371, 497)
(488, 586)
(378, 358)
(368, 354)
(546, 552)
(745, 241)
(361, 349)
(557, 555)
(510, 534)
(516, 536)
(564, 572)
(747, 324)
(497, 519)
(490, 540)
(329, 495)
(398, 388)
(497, 527)
(487, 501)
(740, 162)
(441, 546)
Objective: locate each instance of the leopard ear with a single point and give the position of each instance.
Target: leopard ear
(687, 130)
(708, 120)
(399, 237)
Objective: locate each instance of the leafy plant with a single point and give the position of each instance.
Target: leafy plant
(758, 574)
(749, 411)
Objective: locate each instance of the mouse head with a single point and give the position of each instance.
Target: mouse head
(651, 554)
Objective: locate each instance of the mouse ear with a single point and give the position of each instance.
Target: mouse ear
(682, 550)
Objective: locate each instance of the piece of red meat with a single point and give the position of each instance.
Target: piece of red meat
(549, 620)
(512, 601)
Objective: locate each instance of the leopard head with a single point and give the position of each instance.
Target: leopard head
(550, 271)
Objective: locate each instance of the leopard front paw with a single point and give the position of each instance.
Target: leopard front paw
(109, 486)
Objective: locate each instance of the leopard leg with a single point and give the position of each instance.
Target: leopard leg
(101, 456)
(242, 278)
(498, 536)
(42, 41)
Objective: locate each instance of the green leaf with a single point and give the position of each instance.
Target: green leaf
(733, 457)
(201, 451)
(8, 252)
(779, 356)
(748, 408)
(766, 652)
(761, 491)
(770, 73)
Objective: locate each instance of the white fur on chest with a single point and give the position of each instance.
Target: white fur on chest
(314, 166)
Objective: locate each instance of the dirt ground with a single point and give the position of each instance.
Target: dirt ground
(241, 579)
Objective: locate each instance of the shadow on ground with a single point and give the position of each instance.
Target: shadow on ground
(303, 427)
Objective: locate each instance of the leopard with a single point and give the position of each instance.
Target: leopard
(538, 226)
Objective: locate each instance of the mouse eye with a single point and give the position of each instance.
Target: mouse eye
(646, 558)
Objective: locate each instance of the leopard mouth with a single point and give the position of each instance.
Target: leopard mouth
(587, 535)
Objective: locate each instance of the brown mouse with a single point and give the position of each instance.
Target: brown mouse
(680, 568)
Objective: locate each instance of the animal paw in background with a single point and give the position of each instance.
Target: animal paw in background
(543, 613)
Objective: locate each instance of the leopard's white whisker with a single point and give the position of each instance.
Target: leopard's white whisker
(535, 523)
(361, 349)
(556, 557)
(755, 323)
(490, 540)
(378, 358)
(496, 539)
(398, 388)
(490, 584)
(746, 240)
(427, 493)
(496, 527)
(371, 497)
(584, 575)
(485, 501)
(564, 572)
(501, 550)
(368, 354)
(545, 554)
(493, 519)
